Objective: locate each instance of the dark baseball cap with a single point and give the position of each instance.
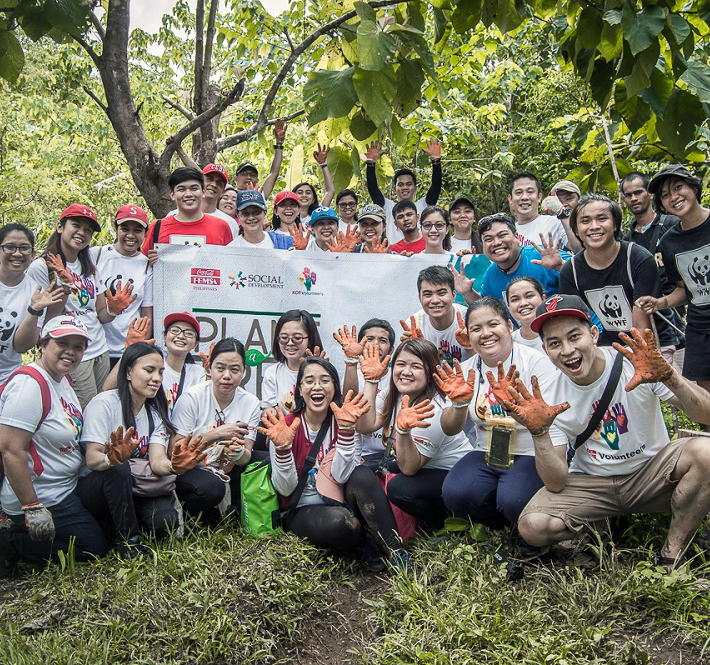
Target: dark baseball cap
(560, 305)
(246, 165)
(461, 199)
(666, 172)
(250, 197)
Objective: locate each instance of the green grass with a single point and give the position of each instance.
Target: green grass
(218, 597)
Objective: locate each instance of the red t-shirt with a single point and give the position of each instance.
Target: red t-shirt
(207, 231)
(404, 246)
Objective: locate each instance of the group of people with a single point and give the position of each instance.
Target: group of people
(531, 403)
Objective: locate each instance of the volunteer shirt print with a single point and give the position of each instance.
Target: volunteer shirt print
(686, 257)
(103, 416)
(194, 374)
(115, 267)
(609, 292)
(81, 302)
(442, 450)
(13, 309)
(443, 340)
(57, 460)
(530, 233)
(372, 443)
(632, 430)
(484, 405)
(278, 386)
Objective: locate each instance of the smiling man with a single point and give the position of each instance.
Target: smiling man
(627, 463)
(406, 218)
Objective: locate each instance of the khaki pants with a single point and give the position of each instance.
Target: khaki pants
(89, 378)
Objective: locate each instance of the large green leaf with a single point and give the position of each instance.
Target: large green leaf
(601, 81)
(659, 91)
(362, 128)
(679, 27)
(635, 111)
(589, 27)
(611, 41)
(410, 78)
(466, 15)
(642, 28)
(697, 76)
(329, 94)
(640, 77)
(684, 113)
(376, 90)
(365, 12)
(502, 13)
(69, 16)
(340, 167)
(12, 59)
(375, 48)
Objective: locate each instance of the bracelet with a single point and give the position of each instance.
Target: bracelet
(351, 361)
(461, 405)
(375, 381)
(540, 432)
(171, 470)
(34, 504)
(278, 146)
(401, 431)
(33, 311)
(324, 165)
(107, 460)
(435, 160)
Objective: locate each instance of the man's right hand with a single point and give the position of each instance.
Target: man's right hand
(373, 152)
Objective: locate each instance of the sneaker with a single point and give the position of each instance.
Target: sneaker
(399, 561)
(133, 548)
(372, 557)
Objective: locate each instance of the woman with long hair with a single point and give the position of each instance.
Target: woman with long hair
(285, 219)
(434, 223)
(523, 296)
(463, 222)
(335, 508)
(306, 193)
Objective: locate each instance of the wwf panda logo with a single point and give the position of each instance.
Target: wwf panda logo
(699, 270)
(8, 321)
(112, 283)
(611, 307)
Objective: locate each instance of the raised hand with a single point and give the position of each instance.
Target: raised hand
(461, 335)
(321, 155)
(187, 454)
(462, 284)
(353, 408)
(373, 151)
(452, 382)
(500, 386)
(410, 417)
(410, 331)
(531, 411)
(138, 331)
(379, 246)
(280, 130)
(348, 340)
(120, 447)
(277, 431)
(300, 240)
(373, 369)
(50, 296)
(317, 353)
(56, 264)
(650, 365)
(550, 256)
(119, 301)
(205, 358)
(345, 241)
(433, 149)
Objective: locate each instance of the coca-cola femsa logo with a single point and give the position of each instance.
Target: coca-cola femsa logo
(205, 276)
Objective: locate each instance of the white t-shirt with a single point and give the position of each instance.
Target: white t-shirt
(197, 411)
(544, 224)
(194, 374)
(393, 233)
(443, 450)
(372, 443)
(13, 309)
(103, 416)
(312, 246)
(83, 305)
(241, 241)
(632, 430)
(458, 245)
(277, 387)
(444, 340)
(114, 267)
(535, 343)
(529, 363)
(54, 457)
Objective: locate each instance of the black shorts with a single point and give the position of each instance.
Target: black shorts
(696, 366)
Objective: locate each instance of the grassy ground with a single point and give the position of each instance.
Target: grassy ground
(218, 597)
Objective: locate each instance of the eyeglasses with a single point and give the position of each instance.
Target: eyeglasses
(10, 249)
(187, 334)
(351, 206)
(429, 227)
(296, 339)
(324, 381)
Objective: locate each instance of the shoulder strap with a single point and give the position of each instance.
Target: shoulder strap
(183, 371)
(43, 388)
(574, 272)
(156, 231)
(308, 465)
(604, 402)
(629, 249)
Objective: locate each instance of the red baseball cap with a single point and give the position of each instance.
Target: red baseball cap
(216, 168)
(181, 316)
(131, 213)
(286, 194)
(82, 212)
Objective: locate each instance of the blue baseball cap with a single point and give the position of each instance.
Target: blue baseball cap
(250, 197)
(321, 214)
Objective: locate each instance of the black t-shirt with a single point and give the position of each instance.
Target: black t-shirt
(611, 292)
(686, 256)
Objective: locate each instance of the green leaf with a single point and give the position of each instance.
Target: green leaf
(340, 167)
(684, 113)
(642, 28)
(697, 76)
(659, 92)
(635, 111)
(12, 58)
(410, 78)
(376, 90)
(640, 76)
(329, 94)
(601, 81)
(375, 47)
(611, 42)
(502, 13)
(679, 26)
(69, 16)
(365, 12)
(612, 17)
(440, 25)
(361, 128)
(589, 27)
(466, 15)
(34, 24)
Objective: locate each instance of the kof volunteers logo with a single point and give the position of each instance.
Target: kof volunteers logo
(307, 278)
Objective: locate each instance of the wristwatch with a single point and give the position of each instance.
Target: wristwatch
(34, 312)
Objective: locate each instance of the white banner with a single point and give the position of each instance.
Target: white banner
(242, 292)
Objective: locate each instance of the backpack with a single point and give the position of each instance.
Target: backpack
(37, 465)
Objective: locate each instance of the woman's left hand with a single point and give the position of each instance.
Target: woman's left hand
(353, 408)
(452, 382)
(120, 447)
(121, 300)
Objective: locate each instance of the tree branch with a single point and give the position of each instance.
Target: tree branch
(88, 48)
(225, 142)
(199, 53)
(209, 42)
(288, 39)
(262, 119)
(99, 103)
(179, 107)
(197, 122)
(96, 22)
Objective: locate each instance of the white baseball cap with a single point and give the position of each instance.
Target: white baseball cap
(63, 326)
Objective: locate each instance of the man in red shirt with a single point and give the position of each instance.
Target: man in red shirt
(407, 220)
(189, 226)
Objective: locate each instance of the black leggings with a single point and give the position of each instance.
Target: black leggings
(420, 496)
(339, 528)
